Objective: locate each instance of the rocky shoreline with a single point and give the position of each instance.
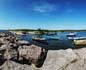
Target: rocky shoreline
(18, 54)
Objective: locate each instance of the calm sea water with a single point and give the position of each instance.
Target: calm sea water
(63, 43)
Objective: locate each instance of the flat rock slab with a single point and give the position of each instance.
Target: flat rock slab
(66, 60)
(57, 60)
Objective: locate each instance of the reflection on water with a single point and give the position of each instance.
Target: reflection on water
(62, 43)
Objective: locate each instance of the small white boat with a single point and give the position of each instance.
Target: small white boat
(38, 39)
(79, 38)
(71, 35)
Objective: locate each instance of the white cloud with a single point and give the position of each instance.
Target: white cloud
(44, 7)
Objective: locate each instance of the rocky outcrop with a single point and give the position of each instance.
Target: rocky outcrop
(66, 60)
(56, 60)
(21, 51)
(17, 54)
(33, 54)
(15, 66)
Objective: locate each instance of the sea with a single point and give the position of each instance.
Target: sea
(54, 44)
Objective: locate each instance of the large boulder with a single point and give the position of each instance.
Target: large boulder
(58, 60)
(66, 60)
(33, 54)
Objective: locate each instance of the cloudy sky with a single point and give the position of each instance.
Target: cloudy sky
(45, 14)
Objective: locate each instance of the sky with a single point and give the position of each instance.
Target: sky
(44, 14)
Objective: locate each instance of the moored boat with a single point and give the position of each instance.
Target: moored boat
(71, 34)
(38, 39)
(80, 41)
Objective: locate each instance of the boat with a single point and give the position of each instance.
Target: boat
(79, 38)
(80, 41)
(38, 39)
(71, 35)
(51, 33)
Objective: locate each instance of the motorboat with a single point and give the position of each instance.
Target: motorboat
(71, 34)
(38, 39)
(79, 38)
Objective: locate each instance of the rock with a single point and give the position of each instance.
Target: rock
(58, 60)
(24, 53)
(66, 60)
(15, 66)
(3, 47)
(33, 54)
(80, 64)
(1, 40)
(2, 51)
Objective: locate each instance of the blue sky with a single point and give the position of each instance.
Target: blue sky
(45, 14)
